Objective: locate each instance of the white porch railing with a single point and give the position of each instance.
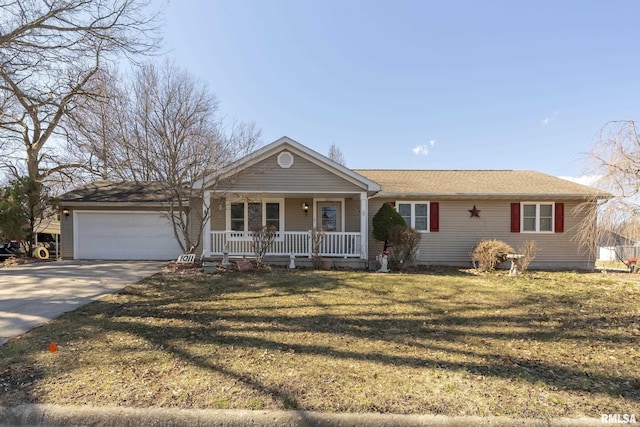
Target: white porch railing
(298, 243)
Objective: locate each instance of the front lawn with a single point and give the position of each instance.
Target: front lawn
(444, 342)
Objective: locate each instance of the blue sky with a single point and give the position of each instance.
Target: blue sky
(419, 84)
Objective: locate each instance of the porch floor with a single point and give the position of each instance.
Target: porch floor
(300, 262)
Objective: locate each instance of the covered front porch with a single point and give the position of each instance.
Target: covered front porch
(297, 243)
(325, 225)
(299, 193)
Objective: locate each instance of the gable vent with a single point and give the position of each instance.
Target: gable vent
(285, 160)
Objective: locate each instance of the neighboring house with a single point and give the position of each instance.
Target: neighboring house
(295, 189)
(612, 238)
(613, 246)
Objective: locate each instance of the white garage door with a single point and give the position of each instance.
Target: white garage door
(122, 235)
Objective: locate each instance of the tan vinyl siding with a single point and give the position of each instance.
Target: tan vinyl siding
(302, 176)
(66, 235)
(294, 216)
(218, 214)
(352, 215)
(459, 232)
(195, 221)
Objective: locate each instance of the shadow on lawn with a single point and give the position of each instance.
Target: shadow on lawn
(422, 326)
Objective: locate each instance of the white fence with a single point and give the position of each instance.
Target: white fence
(298, 243)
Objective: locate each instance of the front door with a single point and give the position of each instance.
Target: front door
(329, 216)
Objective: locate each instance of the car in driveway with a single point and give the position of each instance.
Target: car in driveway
(12, 248)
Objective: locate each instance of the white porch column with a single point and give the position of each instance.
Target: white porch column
(206, 230)
(364, 225)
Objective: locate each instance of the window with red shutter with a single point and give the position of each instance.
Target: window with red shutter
(537, 217)
(559, 218)
(434, 217)
(515, 217)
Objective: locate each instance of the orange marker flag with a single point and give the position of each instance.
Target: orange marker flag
(53, 347)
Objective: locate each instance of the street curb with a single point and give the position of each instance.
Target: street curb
(55, 415)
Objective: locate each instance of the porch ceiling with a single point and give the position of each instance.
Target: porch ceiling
(355, 196)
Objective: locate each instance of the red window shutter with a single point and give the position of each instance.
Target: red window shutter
(515, 217)
(434, 216)
(559, 220)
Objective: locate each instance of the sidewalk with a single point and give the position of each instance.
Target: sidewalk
(53, 416)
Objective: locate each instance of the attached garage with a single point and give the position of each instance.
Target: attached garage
(123, 235)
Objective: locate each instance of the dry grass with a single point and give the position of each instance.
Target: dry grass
(448, 342)
(617, 265)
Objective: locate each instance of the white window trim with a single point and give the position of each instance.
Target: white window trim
(246, 233)
(537, 230)
(413, 204)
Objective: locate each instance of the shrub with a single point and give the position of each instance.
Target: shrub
(317, 236)
(529, 251)
(384, 220)
(263, 238)
(403, 242)
(487, 254)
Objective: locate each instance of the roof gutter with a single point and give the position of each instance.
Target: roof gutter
(115, 204)
(510, 196)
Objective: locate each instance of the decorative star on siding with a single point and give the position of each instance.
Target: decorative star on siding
(475, 212)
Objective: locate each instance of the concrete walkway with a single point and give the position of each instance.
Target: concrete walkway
(33, 294)
(51, 415)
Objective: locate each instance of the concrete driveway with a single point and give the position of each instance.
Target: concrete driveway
(33, 294)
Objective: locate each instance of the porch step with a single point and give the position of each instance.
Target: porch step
(301, 262)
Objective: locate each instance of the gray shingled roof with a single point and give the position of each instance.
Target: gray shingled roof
(395, 183)
(475, 183)
(117, 192)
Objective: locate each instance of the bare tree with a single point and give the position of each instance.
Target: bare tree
(615, 160)
(49, 53)
(163, 127)
(175, 140)
(589, 229)
(336, 155)
(98, 128)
